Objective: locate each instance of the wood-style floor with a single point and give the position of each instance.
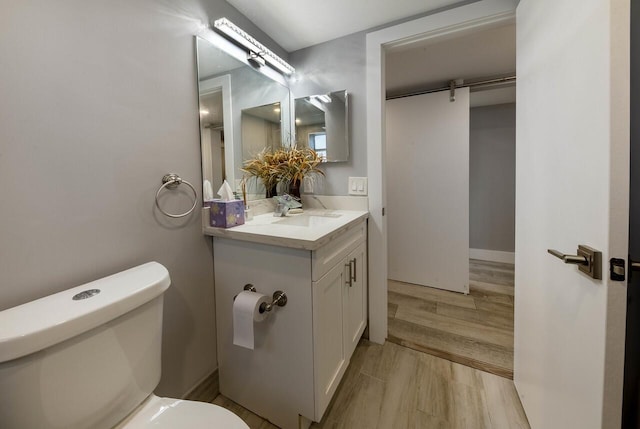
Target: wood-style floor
(425, 376)
(475, 330)
(394, 387)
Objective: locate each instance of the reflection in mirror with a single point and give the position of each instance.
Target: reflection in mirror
(322, 124)
(232, 93)
(261, 129)
(212, 137)
(216, 133)
(257, 93)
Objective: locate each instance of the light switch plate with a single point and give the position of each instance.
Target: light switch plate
(358, 186)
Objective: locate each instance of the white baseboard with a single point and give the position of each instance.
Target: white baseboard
(208, 386)
(493, 255)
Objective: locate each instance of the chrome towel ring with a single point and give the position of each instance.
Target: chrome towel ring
(172, 181)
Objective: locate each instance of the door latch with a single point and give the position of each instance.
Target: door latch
(588, 260)
(616, 269)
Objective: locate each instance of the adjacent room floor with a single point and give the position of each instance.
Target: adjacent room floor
(475, 330)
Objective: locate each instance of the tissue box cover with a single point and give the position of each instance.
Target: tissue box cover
(225, 214)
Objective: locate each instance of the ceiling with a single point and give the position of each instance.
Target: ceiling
(307, 113)
(297, 24)
(268, 112)
(421, 65)
(211, 110)
(431, 64)
(493, 96)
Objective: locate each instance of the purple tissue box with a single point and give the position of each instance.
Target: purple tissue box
(226, 214)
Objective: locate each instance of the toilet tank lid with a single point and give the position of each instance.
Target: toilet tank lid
(38, 324)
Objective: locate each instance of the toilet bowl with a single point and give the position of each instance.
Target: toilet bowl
(89, 358)
(169, 413)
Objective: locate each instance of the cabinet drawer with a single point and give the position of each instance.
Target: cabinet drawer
(333, 252)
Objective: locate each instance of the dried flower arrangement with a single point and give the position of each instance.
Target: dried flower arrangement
(289, 165)
(264, 167)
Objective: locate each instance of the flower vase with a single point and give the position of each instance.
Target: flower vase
(272, 191)
(294, 189)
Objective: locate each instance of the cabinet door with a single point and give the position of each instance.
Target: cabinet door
(330, 360)
(356, 297)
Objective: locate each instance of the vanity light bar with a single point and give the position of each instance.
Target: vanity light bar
(258, 49)
(323, 98)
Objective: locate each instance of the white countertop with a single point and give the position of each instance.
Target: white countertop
(319, 227)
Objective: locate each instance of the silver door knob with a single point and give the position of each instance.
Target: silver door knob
(588, 260)
(569, 259)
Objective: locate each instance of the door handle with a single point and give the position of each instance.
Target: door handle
(350, 278)
(569, 259)
(588, 260)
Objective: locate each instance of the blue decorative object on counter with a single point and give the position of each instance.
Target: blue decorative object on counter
(226, 214)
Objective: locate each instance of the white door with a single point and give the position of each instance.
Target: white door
(572, 179)
(428, 190)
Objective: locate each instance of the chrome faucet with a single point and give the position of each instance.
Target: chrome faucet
(281, 210)
(319, 202)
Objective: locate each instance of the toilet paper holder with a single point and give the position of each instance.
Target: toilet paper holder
(279, 298)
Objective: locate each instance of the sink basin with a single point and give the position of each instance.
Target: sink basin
(308, 219)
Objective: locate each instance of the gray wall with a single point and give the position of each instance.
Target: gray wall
(335, 65)
(98, 100)
(492, 177)
(331, 66)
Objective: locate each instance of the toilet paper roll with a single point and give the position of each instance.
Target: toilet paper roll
(246, 311)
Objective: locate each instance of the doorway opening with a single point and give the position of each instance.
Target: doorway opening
(450, 163)
(550, 339)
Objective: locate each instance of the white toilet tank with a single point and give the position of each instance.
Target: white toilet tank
(83, 363)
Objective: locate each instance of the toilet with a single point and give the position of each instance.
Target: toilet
(89, 358)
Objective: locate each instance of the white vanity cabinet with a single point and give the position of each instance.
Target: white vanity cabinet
(339, 313)
(303, 349)
(356, 297)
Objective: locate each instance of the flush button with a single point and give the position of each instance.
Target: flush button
(86, 294)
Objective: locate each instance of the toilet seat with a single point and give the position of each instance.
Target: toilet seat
(169, 413)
